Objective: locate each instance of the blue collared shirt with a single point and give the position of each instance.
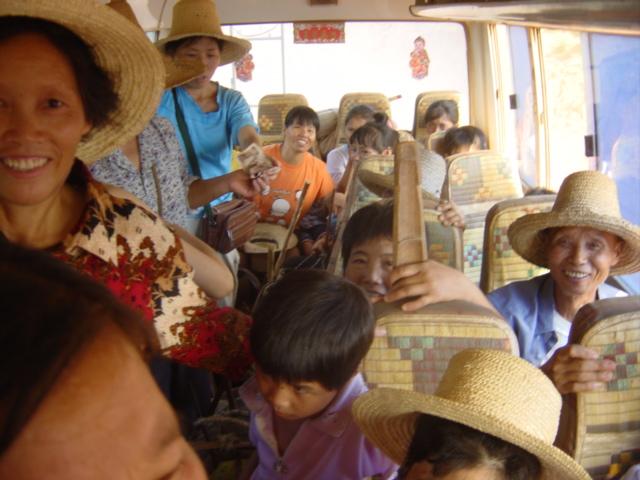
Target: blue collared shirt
(528, 307)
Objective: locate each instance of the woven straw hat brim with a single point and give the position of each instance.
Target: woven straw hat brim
(383, 186)
(120, 49)
(268, 234)
(233, 48)
(387, 418)
(524, 235)
(181, 72)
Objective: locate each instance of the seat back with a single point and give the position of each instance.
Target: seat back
(423, 100)
(600, 428)
(500, 263)
(272, 110)
(412, 352)
(377, 101)
(476, 181)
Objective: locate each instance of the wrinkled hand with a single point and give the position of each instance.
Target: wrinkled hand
(449, 214)
(430, 282)
(575, 368)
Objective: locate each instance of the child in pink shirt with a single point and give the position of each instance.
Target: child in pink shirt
(311, 331)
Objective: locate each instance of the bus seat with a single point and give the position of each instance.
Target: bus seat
(378, 101)
(423, 100)
(599, 429)
(434, 140)
(476, 181)
(500, 264)
(272, 109)
(412, 352)
(328, 132)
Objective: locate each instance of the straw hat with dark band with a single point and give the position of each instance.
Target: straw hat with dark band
(585, 199)
(489, 390)
(199, 18)
(178, 72)
(121, 50)
(268, 235)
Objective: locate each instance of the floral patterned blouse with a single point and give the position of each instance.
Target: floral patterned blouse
(140, 259)
(163, 180)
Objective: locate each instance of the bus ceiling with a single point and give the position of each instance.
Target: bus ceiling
(603, 16)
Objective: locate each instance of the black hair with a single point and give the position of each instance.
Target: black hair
(440, 108)
(462, 136)
(312, 326)
(170, 48)
(50, 312)
(376, 134)
(370, 222)
(360, 111)
(302, 115)
(449, 446)
(95, 86)
(532, 191)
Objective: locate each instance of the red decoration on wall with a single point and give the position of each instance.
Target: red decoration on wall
(419, 62)
(304, 32)
(244, 68)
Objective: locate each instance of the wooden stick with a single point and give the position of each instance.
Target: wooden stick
(292, 226)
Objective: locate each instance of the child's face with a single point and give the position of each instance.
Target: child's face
(439, 124)
(354, 124)
(294, 401)
(369, 266)
(357, 152)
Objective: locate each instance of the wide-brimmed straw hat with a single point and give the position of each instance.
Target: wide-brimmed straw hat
(585, 199)
(268, 235)
(488, 390)
(199, 18)
(121, 50)
(177, 72)
(383, 186)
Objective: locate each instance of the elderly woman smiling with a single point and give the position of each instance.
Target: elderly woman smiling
(76, 81)
(582, 240)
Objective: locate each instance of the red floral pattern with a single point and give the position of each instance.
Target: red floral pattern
(141, 260)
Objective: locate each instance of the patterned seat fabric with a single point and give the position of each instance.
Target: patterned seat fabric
(423, 100)
(500, 264)
(272, 109)
(414, 350)
(377, 101)
(475, 182)
(601, 430)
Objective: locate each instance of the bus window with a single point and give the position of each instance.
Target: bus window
(565, 103)
(615, 66)
(373, 58)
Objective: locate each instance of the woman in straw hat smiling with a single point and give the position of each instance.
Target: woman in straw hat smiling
(582, 240)
(493, 417)
(216, 118)
(76, 80)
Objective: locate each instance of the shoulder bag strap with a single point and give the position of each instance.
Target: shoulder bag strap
(184, 132)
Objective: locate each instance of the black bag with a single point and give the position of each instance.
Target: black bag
(227, 225)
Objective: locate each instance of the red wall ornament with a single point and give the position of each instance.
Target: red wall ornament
(324, 32)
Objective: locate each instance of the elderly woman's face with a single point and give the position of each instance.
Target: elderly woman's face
(424, 471)
(42, 120)
(580, 258)
(105, 418)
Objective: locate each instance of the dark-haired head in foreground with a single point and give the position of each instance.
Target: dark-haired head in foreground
(76, 396)
(311, 330)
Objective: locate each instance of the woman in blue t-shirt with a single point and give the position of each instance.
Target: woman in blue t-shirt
(216, 117)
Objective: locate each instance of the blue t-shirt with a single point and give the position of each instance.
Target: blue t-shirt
(213, 134)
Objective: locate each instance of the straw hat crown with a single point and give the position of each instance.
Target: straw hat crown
(488, 390)
(526, 399)
(176, 72)
(193, 18)
(585, 199)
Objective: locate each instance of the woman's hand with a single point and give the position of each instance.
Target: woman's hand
(449, 214)
(431, 282)
(242, 184)
(575, 368)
